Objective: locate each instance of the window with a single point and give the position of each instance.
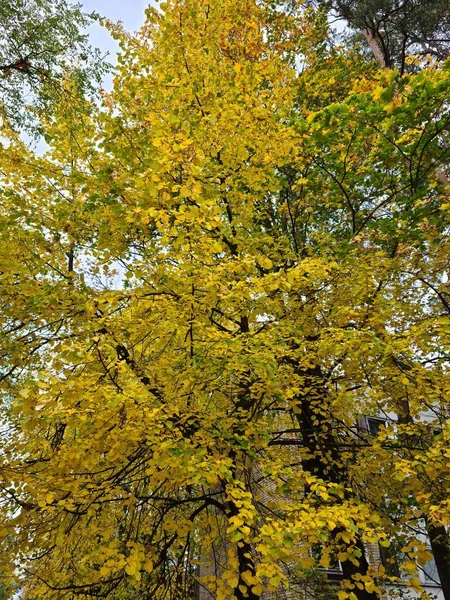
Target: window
(374, 425)
(318, 550)
(390, 559)
(430, 572)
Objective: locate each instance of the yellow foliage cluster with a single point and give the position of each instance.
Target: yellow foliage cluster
(206, 283)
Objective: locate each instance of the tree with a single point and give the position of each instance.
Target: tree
(40, 41)
(206, 283)
(395, 29)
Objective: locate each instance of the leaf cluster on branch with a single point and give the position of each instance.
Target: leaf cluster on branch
(40, 41)
(207, 283)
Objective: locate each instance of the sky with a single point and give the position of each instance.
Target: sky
(130, 12)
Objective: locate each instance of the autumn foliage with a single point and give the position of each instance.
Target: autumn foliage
(207, 281)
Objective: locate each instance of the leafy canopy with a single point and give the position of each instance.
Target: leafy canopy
(207, 282)
(40, 41)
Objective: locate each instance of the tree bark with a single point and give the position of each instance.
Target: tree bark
(325, 460)
(440, 546)
(437, 534)
(376, 48)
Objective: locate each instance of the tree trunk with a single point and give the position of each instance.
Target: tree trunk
(376, 48)
(325, 460)
(440, 545)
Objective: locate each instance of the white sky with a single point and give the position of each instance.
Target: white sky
(130, 12)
